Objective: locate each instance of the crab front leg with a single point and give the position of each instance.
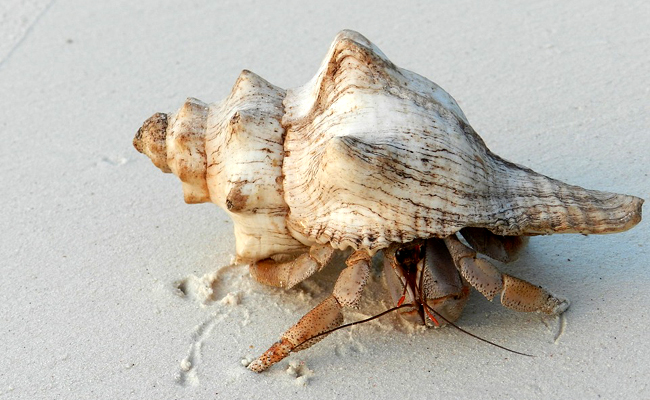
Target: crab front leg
(290, 273)
(322, 318)
(516, 294)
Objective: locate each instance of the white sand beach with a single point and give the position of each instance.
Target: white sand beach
(113, 288)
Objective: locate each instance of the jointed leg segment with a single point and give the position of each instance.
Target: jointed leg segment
(322, 318)
(516, 294)
(290, 273)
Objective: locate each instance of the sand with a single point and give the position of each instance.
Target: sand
(112, 287)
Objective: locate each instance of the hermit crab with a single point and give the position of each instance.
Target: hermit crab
(375, 158)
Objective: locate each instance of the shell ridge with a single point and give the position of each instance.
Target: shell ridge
(245, 143)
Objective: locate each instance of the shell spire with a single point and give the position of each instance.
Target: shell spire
(230, 153)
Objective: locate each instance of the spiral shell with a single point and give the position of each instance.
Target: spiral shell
(363, 155)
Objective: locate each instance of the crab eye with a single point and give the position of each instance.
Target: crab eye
(401, 255)
(409, 256)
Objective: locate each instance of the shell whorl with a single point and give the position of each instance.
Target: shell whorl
(378, 154)
(244, 144)
(151, 140)
(176, 143)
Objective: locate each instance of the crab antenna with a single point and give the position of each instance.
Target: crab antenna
(473, 335)
(422, 296)
(381, 314)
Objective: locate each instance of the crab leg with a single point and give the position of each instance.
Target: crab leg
(322, 318)
(502, 248)
(516, 294)
(290, 273)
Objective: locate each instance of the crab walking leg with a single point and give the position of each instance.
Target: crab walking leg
(516, 294)
(502, 248)
(322, 318)
(290, 273)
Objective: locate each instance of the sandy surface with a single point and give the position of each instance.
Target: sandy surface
(112, 287)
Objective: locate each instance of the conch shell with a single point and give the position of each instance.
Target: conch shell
(364, 155)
